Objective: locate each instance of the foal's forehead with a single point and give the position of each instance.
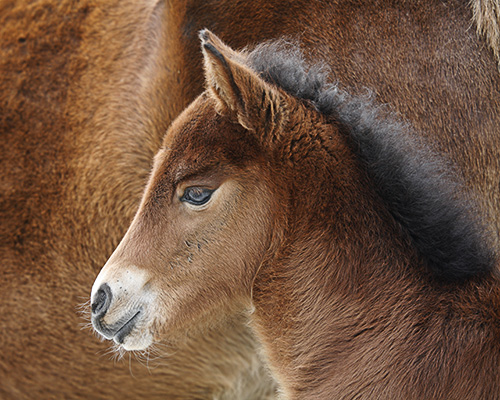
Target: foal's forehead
(201, 134)
(191, 123)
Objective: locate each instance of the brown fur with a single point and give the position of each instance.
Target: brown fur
(78, 132)
(366, 44)
(343, 302)
(85, 99)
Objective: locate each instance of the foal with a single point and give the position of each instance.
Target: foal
(275, 192)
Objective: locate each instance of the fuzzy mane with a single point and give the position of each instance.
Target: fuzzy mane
(417, 188)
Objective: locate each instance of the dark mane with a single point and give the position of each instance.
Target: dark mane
(415, 184)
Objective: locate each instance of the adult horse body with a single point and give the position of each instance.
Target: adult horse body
(369, 272)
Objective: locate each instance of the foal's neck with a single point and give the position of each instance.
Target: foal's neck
(347, 303)
(333, 327)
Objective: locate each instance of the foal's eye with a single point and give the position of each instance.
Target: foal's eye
(196, 196)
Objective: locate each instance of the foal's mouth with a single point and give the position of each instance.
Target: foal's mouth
(117, 331)
(126, 328)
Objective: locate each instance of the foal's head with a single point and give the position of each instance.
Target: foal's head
(210, 213)
(250, 168)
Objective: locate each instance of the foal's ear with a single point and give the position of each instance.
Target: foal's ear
(238, 90)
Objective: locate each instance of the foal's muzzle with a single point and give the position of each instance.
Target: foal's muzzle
(120, 304)
(118, 330)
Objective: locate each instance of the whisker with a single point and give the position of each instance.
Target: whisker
(84, 307)
(130, 364)
(86, 326)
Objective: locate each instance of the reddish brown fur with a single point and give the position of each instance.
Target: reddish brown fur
(373, 46)
(79, 130)
(338, 310)
(77, 137)
(342, 302)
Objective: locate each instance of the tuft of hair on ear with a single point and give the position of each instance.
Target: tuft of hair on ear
(218, 74)
(239, 92)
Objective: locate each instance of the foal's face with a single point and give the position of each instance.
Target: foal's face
(200, 235)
